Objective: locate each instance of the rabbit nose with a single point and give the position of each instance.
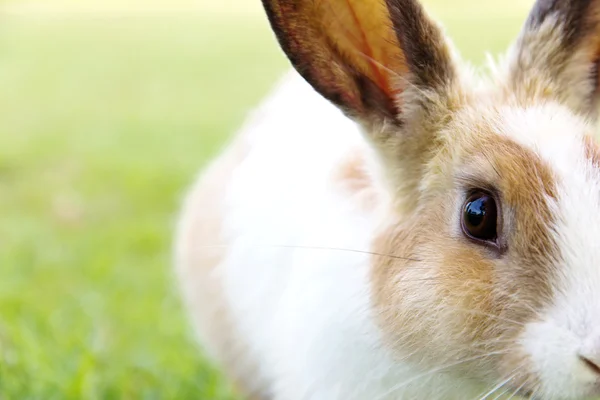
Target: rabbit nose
(592, 363)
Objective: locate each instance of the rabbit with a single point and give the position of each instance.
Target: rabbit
(388, 224)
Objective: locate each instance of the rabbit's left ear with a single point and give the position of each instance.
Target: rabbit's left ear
(557, 54)
(363, 54)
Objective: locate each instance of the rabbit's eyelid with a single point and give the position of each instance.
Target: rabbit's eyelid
(469, 182)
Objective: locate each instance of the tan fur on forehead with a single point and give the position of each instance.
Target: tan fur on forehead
(465, 291)
(526, 185)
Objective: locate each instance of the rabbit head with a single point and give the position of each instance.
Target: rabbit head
(494, 221)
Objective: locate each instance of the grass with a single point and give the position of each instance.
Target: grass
(104, 122)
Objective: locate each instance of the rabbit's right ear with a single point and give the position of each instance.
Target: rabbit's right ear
(557, 55)
(363, 54)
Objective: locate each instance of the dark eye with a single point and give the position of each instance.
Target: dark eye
(479, 219)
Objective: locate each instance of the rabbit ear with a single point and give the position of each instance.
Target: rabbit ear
(557, 54)
(362, 54)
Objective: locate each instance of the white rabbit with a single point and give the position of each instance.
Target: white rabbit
(393, 229)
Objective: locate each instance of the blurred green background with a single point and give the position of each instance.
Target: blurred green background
(108, 109)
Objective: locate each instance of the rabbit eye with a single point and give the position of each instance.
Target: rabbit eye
(480, 216)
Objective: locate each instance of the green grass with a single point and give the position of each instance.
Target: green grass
(104, 123)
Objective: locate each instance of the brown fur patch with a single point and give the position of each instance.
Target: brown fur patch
(422, 43)
(454, 299)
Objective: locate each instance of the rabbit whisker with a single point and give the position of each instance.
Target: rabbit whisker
(326, 248)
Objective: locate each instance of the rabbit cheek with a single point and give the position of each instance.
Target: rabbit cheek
(464, 281)
(397, 285)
